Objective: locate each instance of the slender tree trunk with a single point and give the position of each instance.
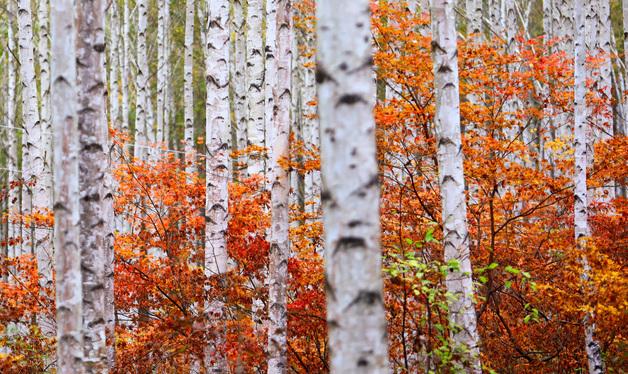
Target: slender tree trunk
(218, 137)
(141, 81)
(114, 50)
(162, 68)
(356, 317)
(43, 50)
(581, 145)
(124, 81)
(280, 183)
(66, 190)
(30, 114)
(12, 159)
(168, 98)
(462, 319)
(255, 85)
(238, 76)
(90, 46)
(270, 73)
(474, 16)
(188, 88)
(36, 198)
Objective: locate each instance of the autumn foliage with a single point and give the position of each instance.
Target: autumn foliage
(517, 116)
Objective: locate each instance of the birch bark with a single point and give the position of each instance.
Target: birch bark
(162, 68)
(90, 46)
(188, 89)
(474, 16)
(581, 153)
(141, 81)
(280, 186)
(12, 160)
(66, 190)
(238, 76)
(255, 85)
(350, 197)
(462, 319)
(124, 80)
(218, 136)
(114, 48)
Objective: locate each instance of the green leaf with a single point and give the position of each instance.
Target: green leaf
(492, 265)
(512, 270)
(508, 284)
(483, 279)
(429, 235)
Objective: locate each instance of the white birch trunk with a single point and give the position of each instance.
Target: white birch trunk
(124, 63)
(238, 76)
(92, 124)
(31, 153)
(162, 68)
(43, 50)
(37, 198)
(188, 89)
(66, 190)
(255, 84)
(218, 138)
(141, 81)
(280, 13)
(474, 17)
(462, 319)
(270, 73)
(355, 307)
(114, 50)
(12, 158)
(581, 151)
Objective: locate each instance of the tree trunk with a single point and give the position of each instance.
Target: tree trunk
(124, 81)
(238, 77)
(474, 17)
(141, 81)
(114, 83)
(255, 86)
(218, 138)
(162, 68)
(66, 190)
(90, 45)
(13, 174)
(36, 198)
(462, 319)
(581, 145)
(355, 306)
(188, 88)
(280, 183)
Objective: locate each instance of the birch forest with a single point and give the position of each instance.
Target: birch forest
(313, 186)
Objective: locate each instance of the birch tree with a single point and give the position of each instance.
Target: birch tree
(280, 187)
(141, 81)
(238, 76)
(90, 46)
(581, 150)
(124, 76)
(218, 134)
(355, 307)
(255, 84)
(188, 89)
(66, 190)
(474, 16)
(462, 319)
(37, 198)
(114, 50)
(43, 50)
(13, 173)
(162, 67)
